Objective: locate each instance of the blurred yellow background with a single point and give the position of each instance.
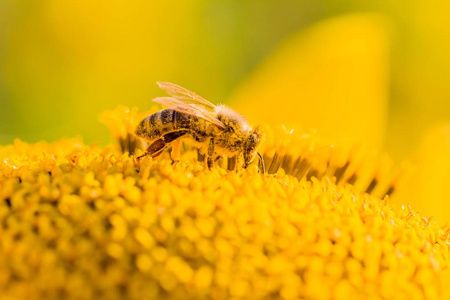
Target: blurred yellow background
(373, 72)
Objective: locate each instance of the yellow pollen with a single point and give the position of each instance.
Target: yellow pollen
(80, 221)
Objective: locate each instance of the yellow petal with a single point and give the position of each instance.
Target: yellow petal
(429, 187)
(420, 77)
(332, 77)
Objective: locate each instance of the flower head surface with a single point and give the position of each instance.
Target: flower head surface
(84, 221)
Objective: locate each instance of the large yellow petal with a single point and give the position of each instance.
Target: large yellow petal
(428, 190)
(421, 90)
(332, 77)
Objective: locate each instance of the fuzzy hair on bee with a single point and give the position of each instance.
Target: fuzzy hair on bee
(216, 130)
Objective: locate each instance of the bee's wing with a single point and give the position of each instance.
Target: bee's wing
(189, 109)
(185, 95)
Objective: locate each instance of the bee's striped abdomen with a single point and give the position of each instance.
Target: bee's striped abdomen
(163, 122)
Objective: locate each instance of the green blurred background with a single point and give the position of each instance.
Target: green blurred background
(63, 62)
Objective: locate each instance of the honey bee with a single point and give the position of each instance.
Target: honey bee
(215, 130)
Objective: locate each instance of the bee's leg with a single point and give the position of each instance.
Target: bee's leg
(155, 149)
(261, 165)
(239, 163)
(210, 160)
(200, 156)
(175, 154)
(231, 165)
(175, 138)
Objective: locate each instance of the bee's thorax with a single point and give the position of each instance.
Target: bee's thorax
(232, 119)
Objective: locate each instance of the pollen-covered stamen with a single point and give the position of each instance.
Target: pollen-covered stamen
(106, 224)
(390, 190)
(297, 155)
(122, 122)
(301, 167)
(363, 169)
(275, 163)
(129, 144)
(399, 179)
(340, 171)
(372, 185)
(352, 179)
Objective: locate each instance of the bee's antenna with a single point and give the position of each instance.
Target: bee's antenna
(261, 163)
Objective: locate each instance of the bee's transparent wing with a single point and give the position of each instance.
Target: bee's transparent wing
(185, 95)
(189, 109)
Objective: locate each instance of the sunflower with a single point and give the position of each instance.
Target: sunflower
(84, 221)
(327, 220)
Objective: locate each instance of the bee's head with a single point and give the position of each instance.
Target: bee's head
(251, 146)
